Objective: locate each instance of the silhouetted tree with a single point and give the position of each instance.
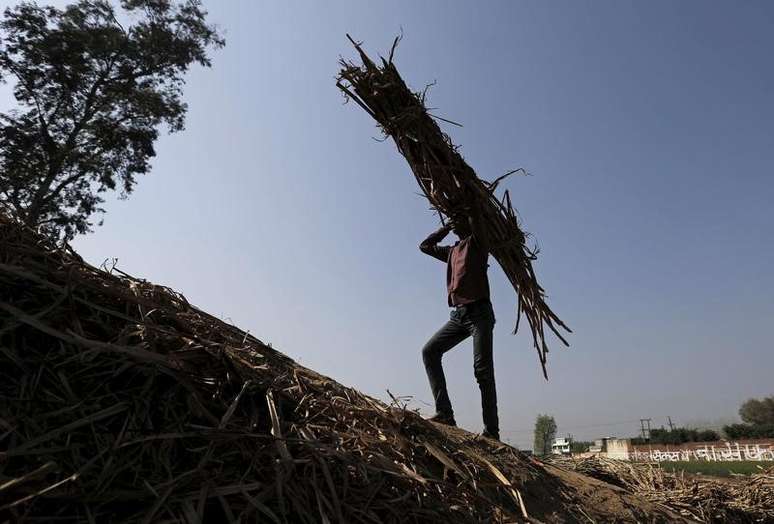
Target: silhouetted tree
(91, 94)
(758, 412)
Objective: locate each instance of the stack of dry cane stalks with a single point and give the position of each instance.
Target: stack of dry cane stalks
(450, 185)
(742, 499)
(121, 402)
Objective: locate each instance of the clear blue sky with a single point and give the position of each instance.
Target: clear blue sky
(648, 128)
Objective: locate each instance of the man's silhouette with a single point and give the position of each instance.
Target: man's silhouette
(472, 315)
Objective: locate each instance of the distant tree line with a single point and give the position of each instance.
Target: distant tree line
(678, 436)
(758, 418)
(736, 431)
(757, 422)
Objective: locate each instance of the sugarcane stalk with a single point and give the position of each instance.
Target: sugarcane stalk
(450, 184)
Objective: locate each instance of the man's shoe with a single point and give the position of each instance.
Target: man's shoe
(442, 418)
(490, 434)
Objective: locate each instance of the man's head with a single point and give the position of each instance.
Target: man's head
(460, 225)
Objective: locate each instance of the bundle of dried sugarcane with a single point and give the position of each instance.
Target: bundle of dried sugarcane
(747, 499)
(450, 185)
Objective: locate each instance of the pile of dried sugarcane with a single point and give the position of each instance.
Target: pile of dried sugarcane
(743, 500)
(450, 184)
(121, 402)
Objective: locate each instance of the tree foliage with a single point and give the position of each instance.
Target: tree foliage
(91, 94)
(545, 432)
(758, 415)
(682, 435)
(758, 412)
(736, 431)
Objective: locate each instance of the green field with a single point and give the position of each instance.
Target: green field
(717, 469)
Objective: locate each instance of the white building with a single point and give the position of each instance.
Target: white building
(561, 446)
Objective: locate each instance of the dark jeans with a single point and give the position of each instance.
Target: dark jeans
(476, 320)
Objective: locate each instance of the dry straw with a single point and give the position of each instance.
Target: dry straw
(702, 499)
(121, 402)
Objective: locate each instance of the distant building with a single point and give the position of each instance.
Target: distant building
(561, 446)
(619, 448)
(600, 445)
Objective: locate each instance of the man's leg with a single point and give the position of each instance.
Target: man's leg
(483, 367)
(451, 334)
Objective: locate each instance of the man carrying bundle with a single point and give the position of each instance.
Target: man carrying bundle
(468, 293)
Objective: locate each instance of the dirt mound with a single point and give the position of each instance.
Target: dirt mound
(120, 401)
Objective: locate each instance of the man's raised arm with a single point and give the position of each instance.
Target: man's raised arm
(430, 246)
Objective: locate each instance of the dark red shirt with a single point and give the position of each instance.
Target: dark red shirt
(466, 266)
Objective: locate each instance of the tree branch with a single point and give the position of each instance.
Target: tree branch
(50, 147)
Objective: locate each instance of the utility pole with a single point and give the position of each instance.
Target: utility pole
(671, 426)
(645, 432)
